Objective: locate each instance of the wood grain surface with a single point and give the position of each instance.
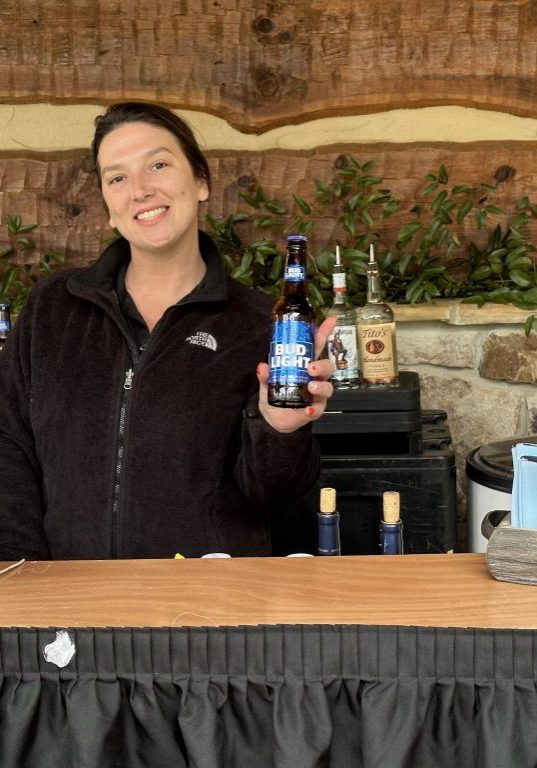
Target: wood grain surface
(264, 64)
(59, 192)
(421, 590)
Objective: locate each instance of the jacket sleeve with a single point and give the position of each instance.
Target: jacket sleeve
(21, 502)
(271, 465)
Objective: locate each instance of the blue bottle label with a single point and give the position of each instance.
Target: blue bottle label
(294, 273)
(5, 325)
(291, 351)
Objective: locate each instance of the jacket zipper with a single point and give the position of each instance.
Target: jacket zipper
(125, 397)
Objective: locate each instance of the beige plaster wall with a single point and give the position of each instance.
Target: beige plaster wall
(45, 127)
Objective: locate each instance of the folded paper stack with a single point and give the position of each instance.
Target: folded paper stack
(524, 494)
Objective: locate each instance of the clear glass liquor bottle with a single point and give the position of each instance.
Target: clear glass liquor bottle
(342, 346)
(376, 333)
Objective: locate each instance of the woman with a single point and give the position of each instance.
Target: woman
(135, 420)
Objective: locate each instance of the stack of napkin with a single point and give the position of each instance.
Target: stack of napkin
(524, 496)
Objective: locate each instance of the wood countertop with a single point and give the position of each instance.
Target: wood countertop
(425, 590)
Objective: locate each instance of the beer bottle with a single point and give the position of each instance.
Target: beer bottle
(5, 323)
(292, 345)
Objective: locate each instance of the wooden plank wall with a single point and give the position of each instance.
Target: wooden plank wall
(61, 194)
(260, 65)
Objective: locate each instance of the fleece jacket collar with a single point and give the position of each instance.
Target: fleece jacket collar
(101, 276)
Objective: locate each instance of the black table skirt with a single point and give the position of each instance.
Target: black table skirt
(282, 696)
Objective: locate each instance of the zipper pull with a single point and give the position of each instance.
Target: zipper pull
(128, 379)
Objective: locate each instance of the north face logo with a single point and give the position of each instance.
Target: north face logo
(202, 339)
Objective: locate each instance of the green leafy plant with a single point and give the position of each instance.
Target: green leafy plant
(20, 267)
(429, 258)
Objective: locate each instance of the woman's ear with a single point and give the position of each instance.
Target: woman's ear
(203, 190)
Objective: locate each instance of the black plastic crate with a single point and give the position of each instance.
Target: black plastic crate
(420, 465)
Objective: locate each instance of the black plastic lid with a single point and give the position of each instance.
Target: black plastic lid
(491, 464)
(5, 305)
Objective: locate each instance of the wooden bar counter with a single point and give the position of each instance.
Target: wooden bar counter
(420, 590)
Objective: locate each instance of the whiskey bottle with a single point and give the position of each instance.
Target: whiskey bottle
(376, 333)
(342, 346)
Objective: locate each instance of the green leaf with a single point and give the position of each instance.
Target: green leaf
(443, 175)
(481, 273)
(276, 268)
(520, 278)
(25, 243)
(407, 232)
(250, 199)
(5, 251)
(464, 210)
(529, 324)
(494, 209)
(274, 206)
(302, 204)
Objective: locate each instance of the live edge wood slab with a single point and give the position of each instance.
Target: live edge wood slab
(421, 590)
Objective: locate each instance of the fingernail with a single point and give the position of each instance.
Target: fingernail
(313, 368)
(310, 411)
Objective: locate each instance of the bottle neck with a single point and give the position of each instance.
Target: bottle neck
(375, 293)
(295, 273)
(339, 282)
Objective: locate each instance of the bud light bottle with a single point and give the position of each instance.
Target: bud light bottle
(292, 345)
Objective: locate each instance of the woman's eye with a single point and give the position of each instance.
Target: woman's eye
(115, 179)
(159, 164)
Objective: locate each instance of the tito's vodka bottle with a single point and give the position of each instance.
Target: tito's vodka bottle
(342, 344)
(376, 333)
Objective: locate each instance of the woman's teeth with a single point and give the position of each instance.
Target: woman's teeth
(150, 214)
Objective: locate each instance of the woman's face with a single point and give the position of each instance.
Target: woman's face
(150, 190)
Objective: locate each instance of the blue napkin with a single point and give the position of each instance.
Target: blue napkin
(524, 496)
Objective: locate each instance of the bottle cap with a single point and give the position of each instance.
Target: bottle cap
(296, 237)
(328, 501)
(216, 554)
(5, 305)
(390, 507)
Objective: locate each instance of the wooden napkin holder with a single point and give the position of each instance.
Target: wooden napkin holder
(511, 552)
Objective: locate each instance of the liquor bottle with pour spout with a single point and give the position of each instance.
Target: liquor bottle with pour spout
(292, 345)
(342, 346)
(376, 333)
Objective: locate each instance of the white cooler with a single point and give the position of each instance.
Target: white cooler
(489, 472)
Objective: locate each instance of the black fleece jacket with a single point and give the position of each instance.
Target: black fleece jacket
(106, 452)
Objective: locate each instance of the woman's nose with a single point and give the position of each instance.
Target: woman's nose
(141, 187)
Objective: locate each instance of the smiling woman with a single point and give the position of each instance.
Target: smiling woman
(134, 420)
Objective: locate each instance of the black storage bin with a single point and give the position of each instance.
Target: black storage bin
(365, 453)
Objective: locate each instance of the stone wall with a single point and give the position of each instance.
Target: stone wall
(478, 366)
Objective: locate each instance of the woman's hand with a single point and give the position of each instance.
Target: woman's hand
(291, 419)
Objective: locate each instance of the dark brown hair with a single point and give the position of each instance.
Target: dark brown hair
(161, 117)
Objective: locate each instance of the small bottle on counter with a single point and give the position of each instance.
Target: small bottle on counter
(5, 322)
(292, 345)
(376, 333)
(391, 525)
(342, 346)
(328, 524)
